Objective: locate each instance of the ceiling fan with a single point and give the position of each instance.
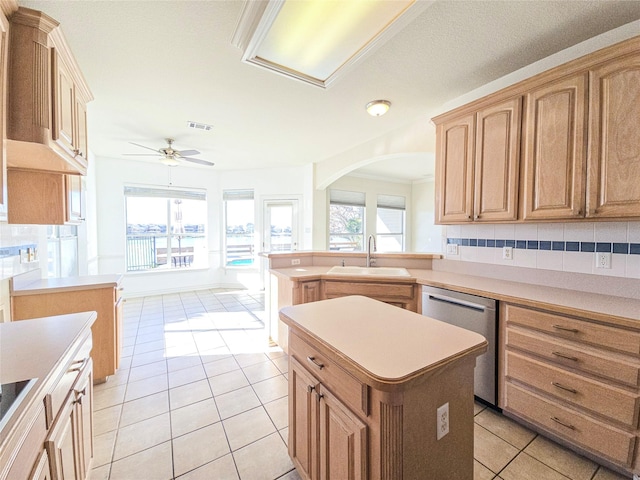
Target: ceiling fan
(171, 156)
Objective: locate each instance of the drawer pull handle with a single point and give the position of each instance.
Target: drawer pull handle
(319, 396)
(566, 329)
(564, 424)
(78, 365)
(316, 363)
(568, 389)
(567, 425)
(564, 355)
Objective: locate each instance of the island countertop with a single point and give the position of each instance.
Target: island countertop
(385, 344)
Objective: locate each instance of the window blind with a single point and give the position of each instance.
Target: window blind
(391, 201)
(343, 197)
(237, 195)
(158, 192)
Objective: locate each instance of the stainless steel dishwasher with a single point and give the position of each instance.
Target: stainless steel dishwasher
(474, 313)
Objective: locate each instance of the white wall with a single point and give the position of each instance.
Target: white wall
(427, 237)
(113, 174)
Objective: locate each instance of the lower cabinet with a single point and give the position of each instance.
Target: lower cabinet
(69, 445)
(403, 295)
(575, 379)
(327, 440)
(41, 469)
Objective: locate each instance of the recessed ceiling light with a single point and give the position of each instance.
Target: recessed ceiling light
(377, 108)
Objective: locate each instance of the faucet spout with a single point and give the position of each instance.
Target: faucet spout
(371, 237)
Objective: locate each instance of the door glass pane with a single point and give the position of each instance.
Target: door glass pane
(281, 227)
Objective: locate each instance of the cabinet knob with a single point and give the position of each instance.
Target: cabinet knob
(476, 217)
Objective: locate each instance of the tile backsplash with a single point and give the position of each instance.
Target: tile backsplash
(568, 247)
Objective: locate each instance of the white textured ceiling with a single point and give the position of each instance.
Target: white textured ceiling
(154, 65)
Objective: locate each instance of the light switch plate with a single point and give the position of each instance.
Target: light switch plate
(452, 249)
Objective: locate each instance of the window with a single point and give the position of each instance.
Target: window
(166, 228)
(62, 251)
(390, 219)
(346, 220)
(239, 214)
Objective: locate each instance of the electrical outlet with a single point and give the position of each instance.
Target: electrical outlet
(452, 249)
(507, 253)
(295, 261)
(442, 423)
(603, 259)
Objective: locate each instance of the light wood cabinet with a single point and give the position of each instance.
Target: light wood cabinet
(347, 422)
(310, 292)
(107, 330)
(614, 144)
(497, 161)
(328, 440)
(579, 144)
(554, 150)
(44, 198)
(47, 127)
(574, 379)
(49, 436)
(478, 167)
(454, 170)
(403, 295)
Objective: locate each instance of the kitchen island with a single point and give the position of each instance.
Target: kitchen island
(370, 385)
(33, 296)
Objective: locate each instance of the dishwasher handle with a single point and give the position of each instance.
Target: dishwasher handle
(457, 302)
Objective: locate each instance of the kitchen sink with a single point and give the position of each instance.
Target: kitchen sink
(367, 271)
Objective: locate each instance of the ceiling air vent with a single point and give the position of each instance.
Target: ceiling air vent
(199, 126)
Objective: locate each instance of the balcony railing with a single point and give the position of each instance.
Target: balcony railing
(146, 252)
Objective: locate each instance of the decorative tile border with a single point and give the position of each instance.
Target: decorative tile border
(559, 246)
(15, 251)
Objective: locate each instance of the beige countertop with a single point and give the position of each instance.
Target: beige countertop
(33, 349)
(31, 283)
(388, 343)
(619, 310)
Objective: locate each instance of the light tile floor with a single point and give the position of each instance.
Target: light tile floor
(201, 396)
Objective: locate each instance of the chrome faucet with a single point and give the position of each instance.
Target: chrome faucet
(369, 259)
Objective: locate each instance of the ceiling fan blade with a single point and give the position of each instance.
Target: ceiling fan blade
(142, 146)
(188, 153)
(197, 160)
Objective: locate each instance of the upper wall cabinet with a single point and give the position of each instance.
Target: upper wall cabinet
(553, 150)
(477, 179)
(497, 161)
(46, 128)
(614, 161)
(575, 155)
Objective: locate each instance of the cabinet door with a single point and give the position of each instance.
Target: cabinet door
(303, 425)
(454, 170)
(614, 145)
(554, 150)
(82, 143)
(310, 291)
(41, 469)
(74, 199)
(83, 392)
(64, 104)
(496, 162)
(343, 441)
(62, 444)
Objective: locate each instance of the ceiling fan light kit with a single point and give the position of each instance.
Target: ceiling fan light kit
(377, 108)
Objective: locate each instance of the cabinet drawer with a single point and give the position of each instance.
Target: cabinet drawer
(573, 355)
(606, 400)
(616, 444)
(575, 329)
(383, 290)
(352, 391)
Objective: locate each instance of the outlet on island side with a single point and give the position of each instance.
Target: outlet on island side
(442, 422)
(295, 261)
